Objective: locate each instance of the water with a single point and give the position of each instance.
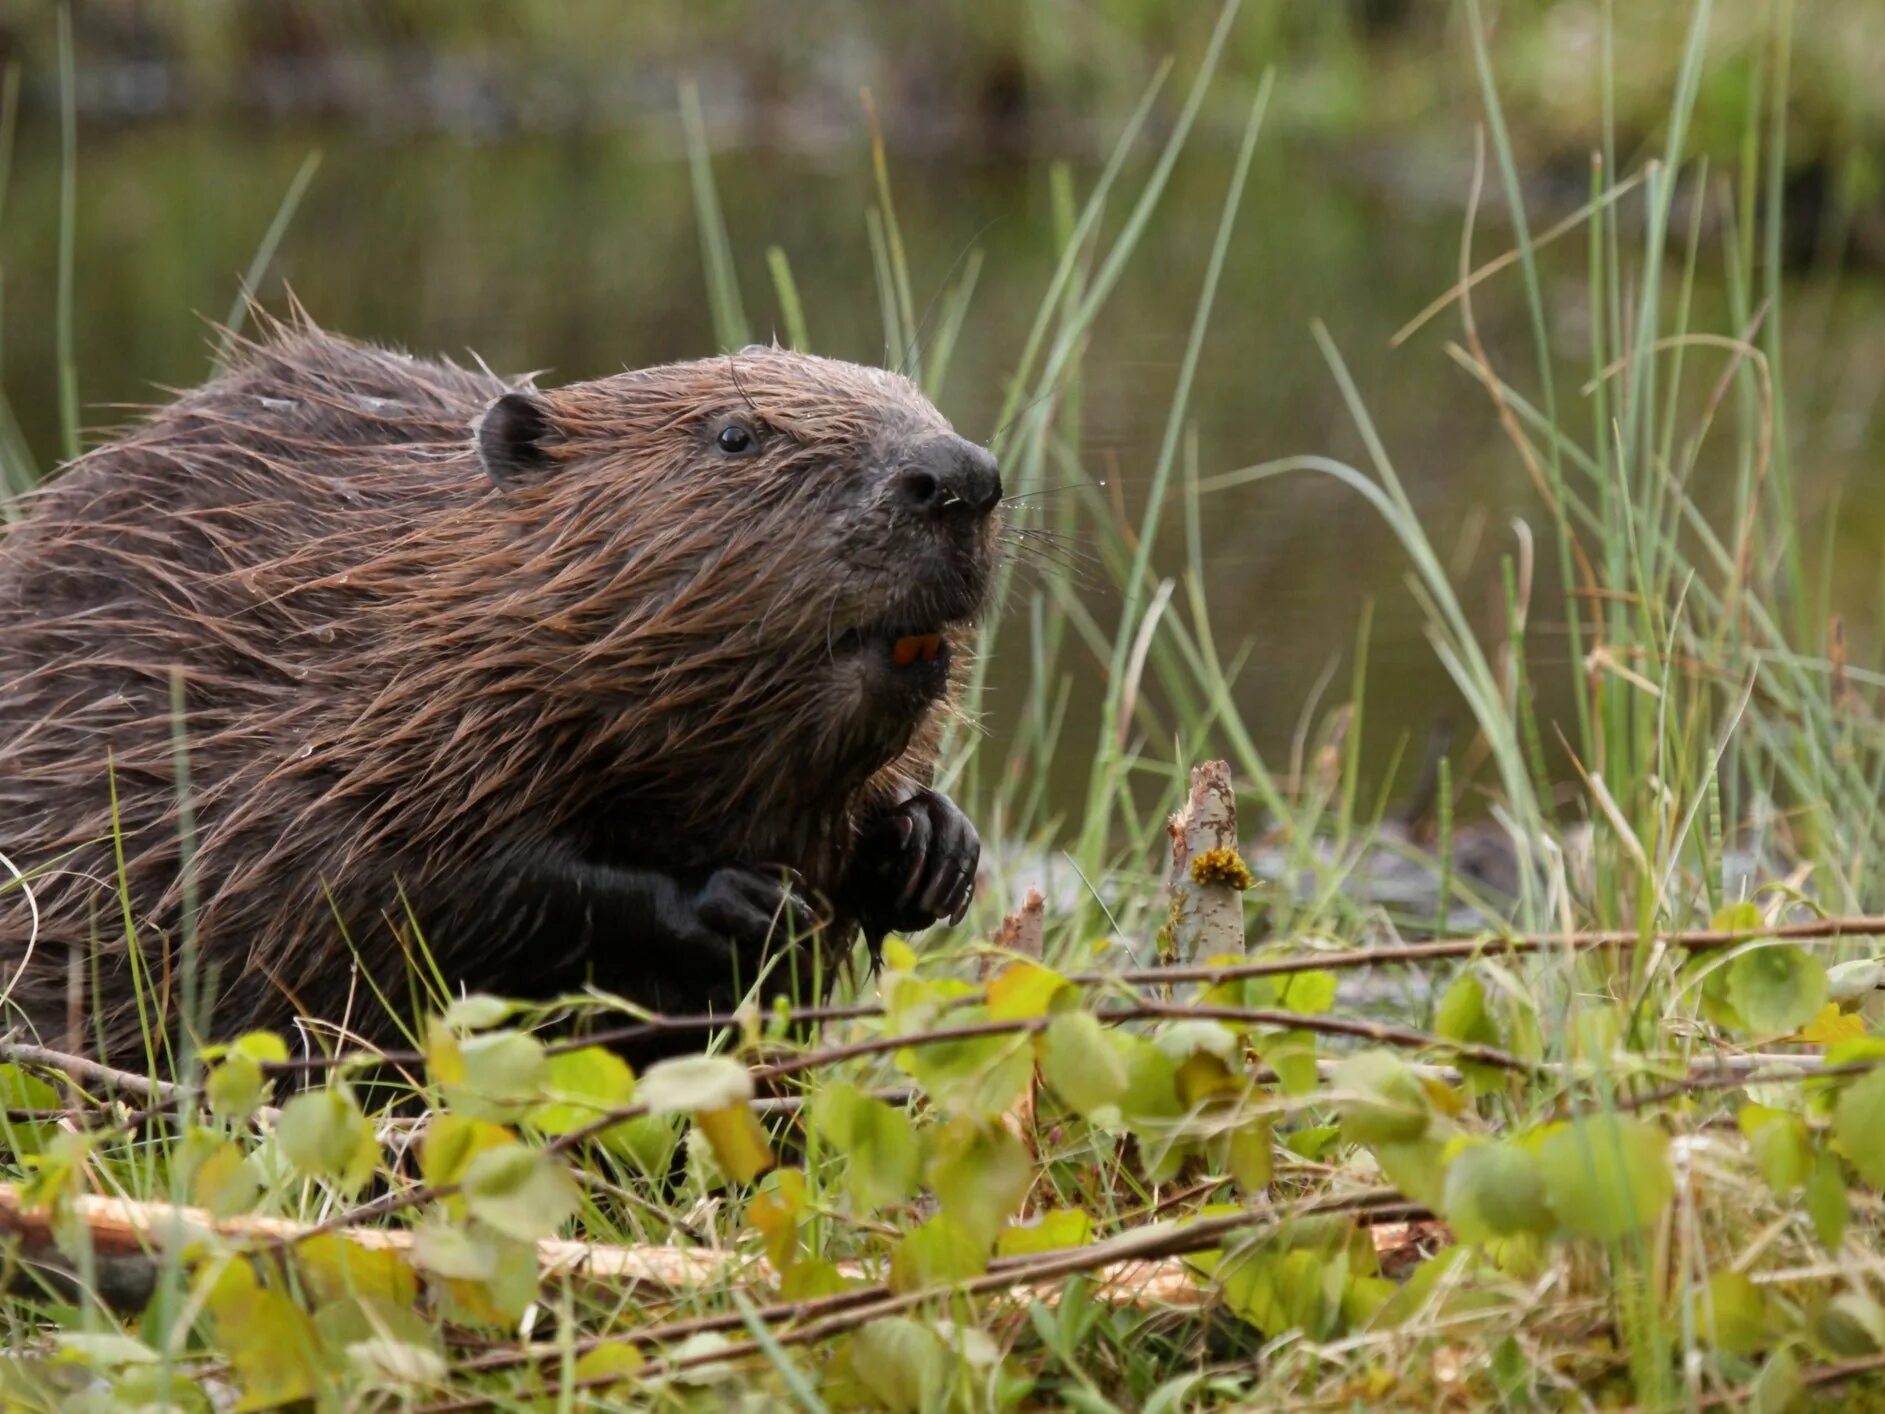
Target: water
(579, 255)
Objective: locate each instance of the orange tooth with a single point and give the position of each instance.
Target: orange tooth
(904, 651)
(931, 646)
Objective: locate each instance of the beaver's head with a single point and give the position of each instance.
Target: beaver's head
(765, 536)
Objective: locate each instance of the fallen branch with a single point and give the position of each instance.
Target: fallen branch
(134, 1236)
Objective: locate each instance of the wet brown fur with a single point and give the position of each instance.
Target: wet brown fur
(391, 665)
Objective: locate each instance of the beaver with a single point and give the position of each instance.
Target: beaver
(363, 678)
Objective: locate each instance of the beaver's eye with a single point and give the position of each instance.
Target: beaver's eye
(736, 439)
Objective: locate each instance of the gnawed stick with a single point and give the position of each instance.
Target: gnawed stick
(1208, 875)
(1022, 934)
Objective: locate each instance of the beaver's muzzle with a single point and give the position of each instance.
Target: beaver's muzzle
(950, 477)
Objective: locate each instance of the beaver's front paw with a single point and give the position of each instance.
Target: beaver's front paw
(915, 865)
(735, 910)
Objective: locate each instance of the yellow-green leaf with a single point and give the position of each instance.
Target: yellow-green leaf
(739, 1142)
(581, 1086)
(1051, 1231)
(1832, 1026)
(1023, 990)
(1080, 1064)
(981, 1174)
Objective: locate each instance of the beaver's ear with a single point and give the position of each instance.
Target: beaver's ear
(513, 436)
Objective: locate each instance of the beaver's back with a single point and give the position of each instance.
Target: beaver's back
(229, 538)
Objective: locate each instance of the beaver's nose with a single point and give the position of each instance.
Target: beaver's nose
(950, 476)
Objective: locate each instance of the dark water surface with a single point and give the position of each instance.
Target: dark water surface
(579, 255)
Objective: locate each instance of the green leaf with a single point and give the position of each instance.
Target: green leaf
(322, 1134)
(1207, 1081)
(1606, 1176)
(235, 1087)
(978, 1076)
(938, 1252)
(1859, 1126)
(1307, 993)
(1292, 1055)
(618, 1358)
(1779, 1143)
(496, 1075)
(1496, 1190)
(582, 1086)
(1277, 1291)
(500, 1298)
(1826, 1203)
(1312, 1141)
(1734, 1314)
(646, 1144)
(1776, 989)
(1852, 1325)
(1744, 917)
(222, 1178)
(21, 1091)
(1052, 1231)
(1151, 1081)
(477, 1012)
(882, 1158)
(1382, 1100)
(1849, 981)
(1776, 1388)
(452, 1141)
(1465, 1017)
(1418, 1167)
(269, 1341)
(902, 1363)
(334, 1267)
(1080, 1064)
(686, 1084)
(380, 1362)
(522, 1193)
(981, 1174)
(104, 1350)
(1249, 1155)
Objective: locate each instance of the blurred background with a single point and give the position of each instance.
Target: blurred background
(512, 181)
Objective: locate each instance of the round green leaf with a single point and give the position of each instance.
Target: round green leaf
(1606, 1176)
(1776, 989)
(1859, 1125)
(522, 1193)
(689, 1083)
(323, 1135)
(1496, 1190)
